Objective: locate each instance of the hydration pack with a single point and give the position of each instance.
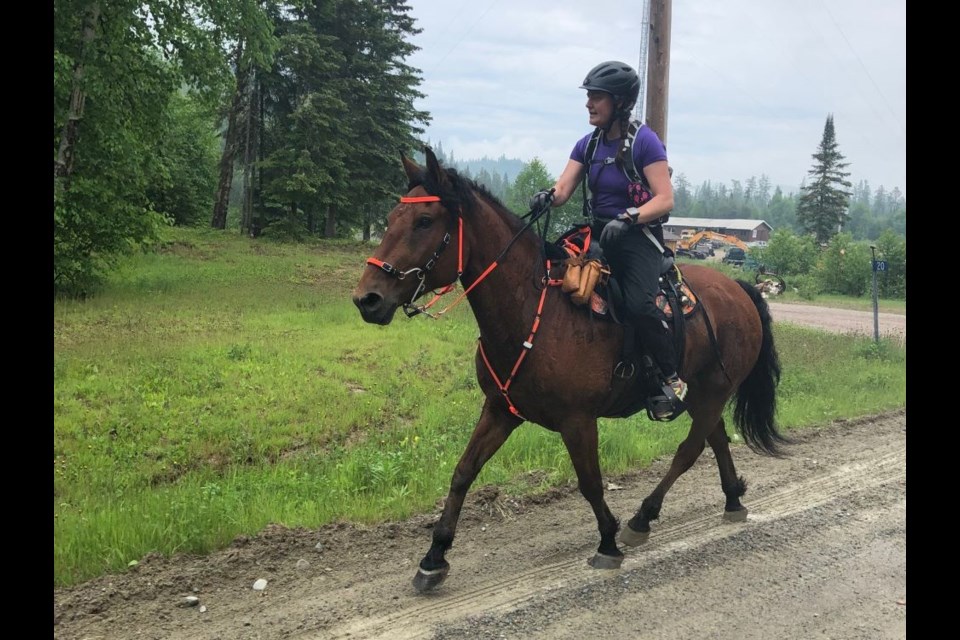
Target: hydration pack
(638, 187)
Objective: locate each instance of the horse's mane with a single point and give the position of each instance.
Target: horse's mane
(463, 192)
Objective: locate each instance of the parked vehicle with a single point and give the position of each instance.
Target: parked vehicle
(735, 256)
(705, 247)
(696, 254)
(752, 264)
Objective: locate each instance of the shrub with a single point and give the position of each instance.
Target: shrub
(806, 286)
(844, 267)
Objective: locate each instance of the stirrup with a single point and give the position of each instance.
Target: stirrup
(624, 370)
(666, 407)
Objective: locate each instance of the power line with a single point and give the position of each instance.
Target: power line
(465, 33)
(864, 67)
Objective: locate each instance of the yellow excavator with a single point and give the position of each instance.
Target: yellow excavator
(691, 242)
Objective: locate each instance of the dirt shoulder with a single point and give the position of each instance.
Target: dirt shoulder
(823, 554)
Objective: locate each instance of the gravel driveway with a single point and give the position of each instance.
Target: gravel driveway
(891, 325)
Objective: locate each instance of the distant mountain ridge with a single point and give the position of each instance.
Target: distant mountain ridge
(500, 166)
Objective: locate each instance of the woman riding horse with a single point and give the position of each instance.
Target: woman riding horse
(543, 359)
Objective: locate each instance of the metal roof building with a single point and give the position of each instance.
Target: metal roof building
(745, 229)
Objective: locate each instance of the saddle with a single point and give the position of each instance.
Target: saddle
(593, 287)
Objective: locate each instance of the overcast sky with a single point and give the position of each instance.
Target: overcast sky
(751, 81)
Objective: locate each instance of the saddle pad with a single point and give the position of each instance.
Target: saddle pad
(688, 301)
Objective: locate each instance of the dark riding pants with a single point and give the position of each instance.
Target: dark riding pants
(635, 261)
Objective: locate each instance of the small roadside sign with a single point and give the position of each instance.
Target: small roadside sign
(879, 265)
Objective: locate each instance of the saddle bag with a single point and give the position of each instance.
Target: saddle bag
(582, 277)
(571, 275)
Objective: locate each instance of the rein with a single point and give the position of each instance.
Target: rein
(408, 307)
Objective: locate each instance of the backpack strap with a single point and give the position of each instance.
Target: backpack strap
(625, 157)
(587, 158)
(625, 160)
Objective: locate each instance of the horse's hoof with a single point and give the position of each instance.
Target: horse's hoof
(633, 538)
(601, 561)
(427, 580)
(739, 515)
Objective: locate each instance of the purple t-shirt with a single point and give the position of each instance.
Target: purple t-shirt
(608, 184)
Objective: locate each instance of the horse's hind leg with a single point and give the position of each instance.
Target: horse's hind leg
(492, 430)
(638, 528)
(733, 487)
(580, 438)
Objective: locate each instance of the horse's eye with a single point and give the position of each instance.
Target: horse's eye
(424, 222)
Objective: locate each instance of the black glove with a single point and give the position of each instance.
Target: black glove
(541, 200)
(630, 216)
(613, 232)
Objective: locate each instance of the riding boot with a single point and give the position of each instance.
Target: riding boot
(656, 339)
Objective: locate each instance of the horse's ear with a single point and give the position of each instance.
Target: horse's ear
(433, 168)
(412, 169)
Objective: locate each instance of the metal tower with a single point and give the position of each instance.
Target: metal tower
(640, 108)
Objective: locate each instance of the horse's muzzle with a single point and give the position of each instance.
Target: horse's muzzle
(374, 308)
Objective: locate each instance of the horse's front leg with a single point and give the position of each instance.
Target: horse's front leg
(493, 428)
(580, 438)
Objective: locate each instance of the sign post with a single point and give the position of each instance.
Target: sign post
(876, 313)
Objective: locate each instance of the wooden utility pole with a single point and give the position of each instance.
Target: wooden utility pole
(658, 67)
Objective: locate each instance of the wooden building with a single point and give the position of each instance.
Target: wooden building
(744, 229)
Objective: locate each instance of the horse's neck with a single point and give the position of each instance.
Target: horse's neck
(501, 302)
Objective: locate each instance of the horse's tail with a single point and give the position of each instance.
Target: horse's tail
(756, 400)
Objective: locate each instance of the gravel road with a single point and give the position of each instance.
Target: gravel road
(822, 555)
(890, 325)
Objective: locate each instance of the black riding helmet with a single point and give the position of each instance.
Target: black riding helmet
(616, 78)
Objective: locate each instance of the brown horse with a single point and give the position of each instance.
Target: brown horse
(530, 358)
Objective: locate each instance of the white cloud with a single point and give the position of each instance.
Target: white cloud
(750, 87)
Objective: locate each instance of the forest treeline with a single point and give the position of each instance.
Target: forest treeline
(159, 107)
(277, 118)
(871, 211)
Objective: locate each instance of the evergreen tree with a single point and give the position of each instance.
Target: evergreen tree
(781, 211)
(303, 156)
(338, 110)
(379, 89)
(682, 197)
(822, 208)
(881, 202)
(763, 191)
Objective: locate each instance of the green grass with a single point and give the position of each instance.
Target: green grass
(864, 303)
(223, 384)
